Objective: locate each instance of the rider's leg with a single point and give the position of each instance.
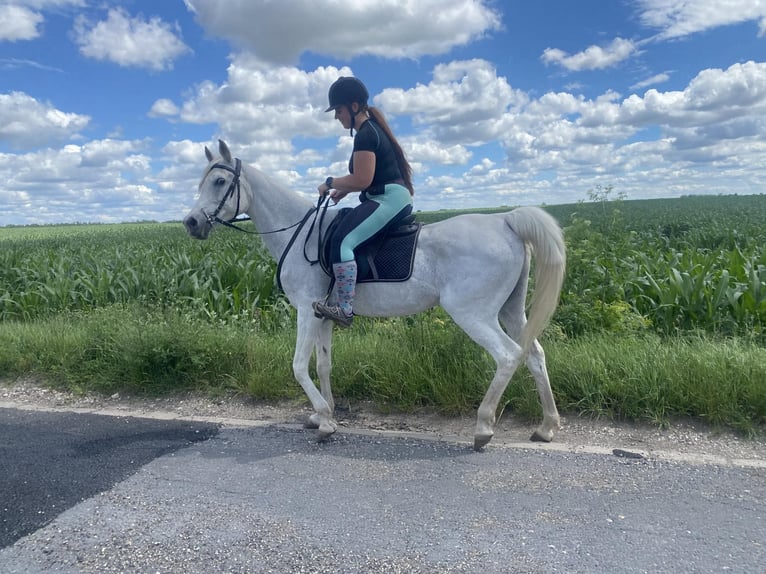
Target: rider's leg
(367, 219)
(345, 285)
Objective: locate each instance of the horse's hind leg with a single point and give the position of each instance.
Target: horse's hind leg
(323, 354)
(308, 335)
(512, 318)
(486, 331)
(551, 420)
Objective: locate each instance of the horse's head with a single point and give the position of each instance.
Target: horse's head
(220, 193)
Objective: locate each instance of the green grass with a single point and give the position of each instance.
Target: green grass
(654, 379)
(397, 364)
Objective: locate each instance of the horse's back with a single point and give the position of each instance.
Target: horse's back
(473, 233)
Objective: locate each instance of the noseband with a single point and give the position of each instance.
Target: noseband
(233, 186)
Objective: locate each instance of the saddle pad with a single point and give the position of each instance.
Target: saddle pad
(390, 260)
(387, 258)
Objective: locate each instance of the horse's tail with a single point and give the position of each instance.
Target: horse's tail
(540, 230)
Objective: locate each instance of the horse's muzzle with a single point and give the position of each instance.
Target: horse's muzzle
(197, 226)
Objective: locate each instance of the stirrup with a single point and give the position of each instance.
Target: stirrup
(324, 311)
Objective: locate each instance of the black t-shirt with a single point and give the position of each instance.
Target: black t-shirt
(371, 137)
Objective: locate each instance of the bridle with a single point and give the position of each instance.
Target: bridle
(234, 186)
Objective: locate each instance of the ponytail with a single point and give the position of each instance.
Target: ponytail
(404, 166)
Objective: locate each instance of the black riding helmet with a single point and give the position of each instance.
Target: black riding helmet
(344, 92)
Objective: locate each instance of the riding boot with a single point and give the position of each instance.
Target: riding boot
(345, 290)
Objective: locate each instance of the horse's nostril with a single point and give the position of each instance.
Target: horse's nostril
(190, 222)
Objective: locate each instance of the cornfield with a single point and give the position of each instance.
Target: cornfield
(47, 270)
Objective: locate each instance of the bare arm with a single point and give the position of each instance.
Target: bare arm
(364, 170)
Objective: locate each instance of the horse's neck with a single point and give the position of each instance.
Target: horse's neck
(273, 207)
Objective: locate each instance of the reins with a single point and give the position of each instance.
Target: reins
(300, 224)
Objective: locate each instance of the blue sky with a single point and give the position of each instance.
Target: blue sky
(106, 106)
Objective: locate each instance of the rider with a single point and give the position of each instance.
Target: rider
(377, 169)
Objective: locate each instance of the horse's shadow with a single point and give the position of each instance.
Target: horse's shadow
(251, 445)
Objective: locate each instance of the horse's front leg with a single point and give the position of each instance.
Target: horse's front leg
(323, 353)
(309, 328)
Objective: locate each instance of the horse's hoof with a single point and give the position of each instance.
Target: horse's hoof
(326, 430)
(324, 435)
(312, 422)
(539, 436)
(481, 440)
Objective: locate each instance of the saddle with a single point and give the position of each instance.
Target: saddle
(389, 255)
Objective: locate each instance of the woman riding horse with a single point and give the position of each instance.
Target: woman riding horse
(379, 170)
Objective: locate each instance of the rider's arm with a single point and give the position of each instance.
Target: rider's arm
(364, 170)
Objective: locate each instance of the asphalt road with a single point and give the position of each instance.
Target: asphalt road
(87, 493)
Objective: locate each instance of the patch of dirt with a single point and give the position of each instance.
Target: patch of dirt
(682, 440)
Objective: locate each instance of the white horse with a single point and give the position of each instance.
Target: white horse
(475, 266)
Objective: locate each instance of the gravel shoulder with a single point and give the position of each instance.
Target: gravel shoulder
(682, 441)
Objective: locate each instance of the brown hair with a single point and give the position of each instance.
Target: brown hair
(404, 166)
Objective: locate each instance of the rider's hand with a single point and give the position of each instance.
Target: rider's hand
(336, 195)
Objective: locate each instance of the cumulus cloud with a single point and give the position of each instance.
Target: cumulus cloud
(163, 108)
(22, 19)
(392, 28)
(264, 108)
(26, 122)
(593, 57)
(581, 139)
(460, 104)
(677, 18)
(130, 42)
(435, 152)
(19, 23)
(102, 180)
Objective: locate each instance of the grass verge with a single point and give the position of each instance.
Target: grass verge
(398, 364)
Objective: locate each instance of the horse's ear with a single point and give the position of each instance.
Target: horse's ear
(224, 149)
(208, 154)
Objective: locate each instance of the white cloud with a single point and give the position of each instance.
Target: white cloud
(262, 109)
(385, 28)
(656, 79)
(130, 42)
(19, 63)
(421, 151)
(739, 86)
(19, 23)
(163, 108)
(677, 18)
(103, 180)
(21, 19)
(461, 103)
(25, 122)
(716, 119)
(593, 57)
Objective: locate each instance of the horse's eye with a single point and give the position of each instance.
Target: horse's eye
(220, 181)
